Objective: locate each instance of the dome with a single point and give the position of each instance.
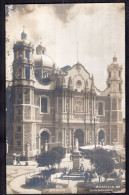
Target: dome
(43, 60)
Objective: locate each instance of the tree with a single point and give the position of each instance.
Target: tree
(60, 150)
(48, 158)
(102, 162)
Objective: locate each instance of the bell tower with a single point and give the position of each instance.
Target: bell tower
(114, 89)
(24, 127)
(23, 61)
(114, 80)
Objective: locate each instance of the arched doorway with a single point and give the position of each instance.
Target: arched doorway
(101, 137)
(80, 136)
(44, 138)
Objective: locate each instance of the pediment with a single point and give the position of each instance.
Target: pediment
(79, 75)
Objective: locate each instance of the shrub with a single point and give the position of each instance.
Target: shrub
(36, 181)
(114, 175)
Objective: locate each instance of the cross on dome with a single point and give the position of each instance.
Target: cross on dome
(23, 34)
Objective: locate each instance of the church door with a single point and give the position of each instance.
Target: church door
(80, 136)
(101, 137)
(44, 138)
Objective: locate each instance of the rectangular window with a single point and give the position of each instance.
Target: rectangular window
(109, 74)
(44, 105)
(19, 143)
(109, 85)
(119, 86)
(19, 111)
(27, 72)
(18, 128)
(100, 108)
(27, 54)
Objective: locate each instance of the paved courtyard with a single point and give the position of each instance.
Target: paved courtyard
(13, 172)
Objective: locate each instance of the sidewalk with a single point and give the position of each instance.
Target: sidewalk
(16, 184)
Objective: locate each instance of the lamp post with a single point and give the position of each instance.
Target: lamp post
(72, 141)
(94, 134)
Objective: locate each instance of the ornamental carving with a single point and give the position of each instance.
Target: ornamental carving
(78, 116)
(78, 104)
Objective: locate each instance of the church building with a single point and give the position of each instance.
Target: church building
(55, 106)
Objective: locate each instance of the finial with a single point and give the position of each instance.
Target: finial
(40, 40)
(114, 58)
(23, 34)
(23, 28)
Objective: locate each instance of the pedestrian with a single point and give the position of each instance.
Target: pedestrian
(90, 177)
(18, 160)
(86, 177)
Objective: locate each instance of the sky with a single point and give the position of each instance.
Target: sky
(88, 33)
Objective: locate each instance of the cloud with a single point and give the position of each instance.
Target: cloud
(62, 11)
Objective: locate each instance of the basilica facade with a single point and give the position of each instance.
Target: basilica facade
(55, 106)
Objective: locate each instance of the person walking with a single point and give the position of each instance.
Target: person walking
(90, 177)
(18, 160)
(86, 177)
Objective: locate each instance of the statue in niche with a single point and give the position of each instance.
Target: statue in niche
(78, 104)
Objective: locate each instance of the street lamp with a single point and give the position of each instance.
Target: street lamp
(94, 134)
(72, 141)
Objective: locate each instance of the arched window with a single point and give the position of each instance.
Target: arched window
(20, 54)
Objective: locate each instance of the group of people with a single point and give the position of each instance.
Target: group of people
(88, 176)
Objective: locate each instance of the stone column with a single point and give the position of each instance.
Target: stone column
(70, 137)
(27, 150)
(39, 144)
(64, 137)
(76, 158)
